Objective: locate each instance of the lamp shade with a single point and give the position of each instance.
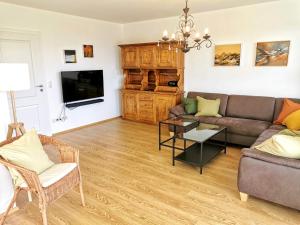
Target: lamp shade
(14, 77)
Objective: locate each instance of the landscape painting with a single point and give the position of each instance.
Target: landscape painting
(274, 53)
(227, 55)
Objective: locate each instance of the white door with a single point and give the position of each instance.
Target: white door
(31, 105)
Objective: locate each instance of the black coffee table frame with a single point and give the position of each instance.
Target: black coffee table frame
(200, 152)
(177, 128)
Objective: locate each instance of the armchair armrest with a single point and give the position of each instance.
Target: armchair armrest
(29, 176)
(176, 111)
(68, 153)
(256, 154)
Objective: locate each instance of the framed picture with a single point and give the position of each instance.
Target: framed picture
(227, 55)
(275, 53)
(70, 56)
(88, 51)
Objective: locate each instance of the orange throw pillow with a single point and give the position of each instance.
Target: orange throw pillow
(288, 107)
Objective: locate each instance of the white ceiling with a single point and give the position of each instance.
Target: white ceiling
(125, 11)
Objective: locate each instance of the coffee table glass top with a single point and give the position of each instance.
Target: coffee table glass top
(203, 132)
(179, 121)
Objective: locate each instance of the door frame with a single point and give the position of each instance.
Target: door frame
(34, 37)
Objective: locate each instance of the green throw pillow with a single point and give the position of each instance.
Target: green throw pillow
(208, 107)
(190, 105)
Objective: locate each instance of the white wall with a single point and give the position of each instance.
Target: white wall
(246, 25)
(59, 32)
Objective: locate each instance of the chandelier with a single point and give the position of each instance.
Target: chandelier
(186, 30)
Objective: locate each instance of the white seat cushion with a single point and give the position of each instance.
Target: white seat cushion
(54, 173)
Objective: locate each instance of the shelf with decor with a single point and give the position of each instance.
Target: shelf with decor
(133, 79)
(153, 81)
(169, 80)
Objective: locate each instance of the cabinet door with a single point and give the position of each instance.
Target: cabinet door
(130, 106)
(163, 104)
(166, 57)
(130, 57)
(148, 56)
(146, 109)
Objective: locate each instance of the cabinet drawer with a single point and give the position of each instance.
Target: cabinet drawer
(145, 105)
(146, 115)
(146, 97)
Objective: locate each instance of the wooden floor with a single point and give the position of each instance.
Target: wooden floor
(128, 181)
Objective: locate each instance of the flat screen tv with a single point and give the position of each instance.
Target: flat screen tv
(82, 85)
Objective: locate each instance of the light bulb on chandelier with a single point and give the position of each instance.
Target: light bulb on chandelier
(186, 29)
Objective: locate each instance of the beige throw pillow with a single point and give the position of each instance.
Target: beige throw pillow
(282, 145)
(208, 107)
(27, 152)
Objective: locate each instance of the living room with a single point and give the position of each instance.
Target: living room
(125, 178)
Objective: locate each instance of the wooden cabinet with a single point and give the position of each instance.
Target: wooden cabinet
(147, 56)
(166, 57)
(147, 107)
(130, 57)
(148, 69)
(129, 105)
(163, 104)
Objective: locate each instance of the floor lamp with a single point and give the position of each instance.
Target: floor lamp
(14, 77)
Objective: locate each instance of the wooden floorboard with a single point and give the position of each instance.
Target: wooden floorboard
(127, 181)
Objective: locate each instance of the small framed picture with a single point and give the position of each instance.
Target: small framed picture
(88, 51)
(70, 56)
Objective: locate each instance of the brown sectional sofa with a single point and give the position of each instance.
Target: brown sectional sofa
(249, 120)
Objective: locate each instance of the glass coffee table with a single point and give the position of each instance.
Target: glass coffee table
(203, 148)
(179, 125)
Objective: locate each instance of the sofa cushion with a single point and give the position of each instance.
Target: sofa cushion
(288, 107)
(265, 135)
(281, 145)
(212, 96)
(177, 110)
(251, 107)
(277, 127)
(292, 121)
(207, 119)
(242, 126)
(240, 139)
(190, 105)
(256, 154)
(208, 107)
(279, 104)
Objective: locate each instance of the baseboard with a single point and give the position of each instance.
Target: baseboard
(85, 126)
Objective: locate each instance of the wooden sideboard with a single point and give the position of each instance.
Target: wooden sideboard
(147, 69)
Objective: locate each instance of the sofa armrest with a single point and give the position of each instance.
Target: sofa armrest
(253, 153)
(177, 110)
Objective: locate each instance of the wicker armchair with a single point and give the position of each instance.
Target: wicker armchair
(53, 191)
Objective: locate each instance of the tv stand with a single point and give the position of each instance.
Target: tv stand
(76, 104)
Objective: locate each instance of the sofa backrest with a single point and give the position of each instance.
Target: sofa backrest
(278, 106)
(212, 96)
(251, 107)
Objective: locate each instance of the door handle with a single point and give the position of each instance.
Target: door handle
(39, 86)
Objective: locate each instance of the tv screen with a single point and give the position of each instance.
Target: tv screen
(82, 85)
